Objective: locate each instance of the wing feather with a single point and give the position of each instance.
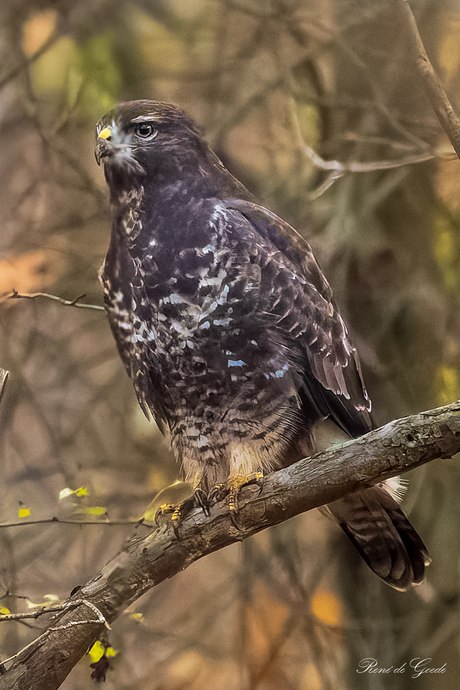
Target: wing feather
(333, 377)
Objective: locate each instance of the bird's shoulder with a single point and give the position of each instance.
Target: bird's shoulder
(285, 239)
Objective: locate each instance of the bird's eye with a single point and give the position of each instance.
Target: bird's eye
(145, 130)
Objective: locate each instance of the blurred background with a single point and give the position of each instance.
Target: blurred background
(281, 88)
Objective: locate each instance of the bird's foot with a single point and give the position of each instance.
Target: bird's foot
(177, 512)
(165, 513)
(232, 488)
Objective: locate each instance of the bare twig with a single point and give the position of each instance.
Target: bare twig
(337, 169)
(52, 608)
(68, 303)
(171, 547)
(432, 85)
(3, 379)
(364, 166)
(56, 520)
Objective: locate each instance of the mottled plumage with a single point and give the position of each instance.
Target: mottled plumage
(227, 326)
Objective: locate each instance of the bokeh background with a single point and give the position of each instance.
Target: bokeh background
(273, 83)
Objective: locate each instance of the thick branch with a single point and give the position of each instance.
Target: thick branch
(162, 552)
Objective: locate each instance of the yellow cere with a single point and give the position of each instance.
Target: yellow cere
(105, 133)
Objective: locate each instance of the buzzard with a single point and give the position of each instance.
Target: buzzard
(228, 327)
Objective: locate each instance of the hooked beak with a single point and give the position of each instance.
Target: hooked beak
(116, 147)
(103, 144)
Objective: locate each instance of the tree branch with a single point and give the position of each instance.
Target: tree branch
(431, 83)
(169, 548)
(66, 302)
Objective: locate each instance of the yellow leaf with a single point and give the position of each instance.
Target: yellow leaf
(327, 607)
(138, 617)
(81, 491)
(4, 611)
(23, 512)
(51, 598)
(96, 652)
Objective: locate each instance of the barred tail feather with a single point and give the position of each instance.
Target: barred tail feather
(383, 535)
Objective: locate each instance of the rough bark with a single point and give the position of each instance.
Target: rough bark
(155, 554)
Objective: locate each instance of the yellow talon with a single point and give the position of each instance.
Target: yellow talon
(235, 484)
(165, 512)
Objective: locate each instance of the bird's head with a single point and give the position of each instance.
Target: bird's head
(156, 144)
(133, 138)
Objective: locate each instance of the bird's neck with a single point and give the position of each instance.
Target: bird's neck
(166, 201)
(191, 175)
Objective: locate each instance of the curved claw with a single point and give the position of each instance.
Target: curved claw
(164, 513)
(217, 493)
(201, 499)
(177, 512)
(236, 483)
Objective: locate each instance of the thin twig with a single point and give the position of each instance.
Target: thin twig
(433, 87)
(3, 379)
(337, 169)
(364, 166)
(56, 520)
(66, 302)
(52, 608)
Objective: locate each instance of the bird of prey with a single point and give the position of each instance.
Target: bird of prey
(228, 327)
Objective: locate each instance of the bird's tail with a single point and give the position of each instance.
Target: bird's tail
(383, 535)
